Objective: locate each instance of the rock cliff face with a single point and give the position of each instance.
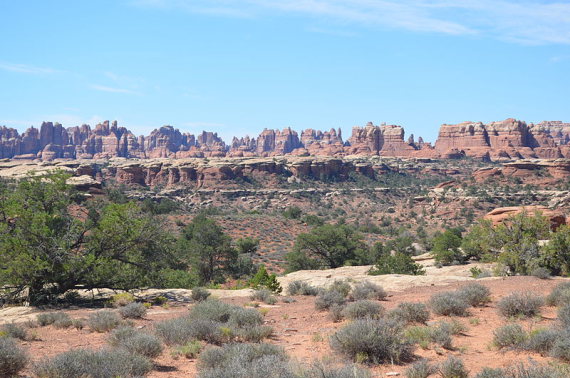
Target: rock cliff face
(506, 140)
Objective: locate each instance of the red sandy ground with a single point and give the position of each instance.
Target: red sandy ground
(303, 331)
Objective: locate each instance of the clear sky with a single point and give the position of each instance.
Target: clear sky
(238, 66)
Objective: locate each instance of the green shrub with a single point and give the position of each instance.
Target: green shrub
(94, 363)
(14, 331)
(200, 294)
(448, 304)
(189, 350)
(446, 249)
(453, 367)
(263, 279)
(524, 304)
(122, 299)
(292, 212)
(176, 331)
(263, 295)
(136, 342)
(510, 336)
(301, 288)
(212, 309)
(441, 335)
(58, 319)
(244, 317)
(13, 359)
(244, 361)
(542, 340)
(340, 286)
(421, 335)
(336, 312)
(254, 334)
(133, 311)
(374, 341)
(534, 370)
(559, 295)
(420, 369)
(491, 373)
(561, 348)
(475, 294)
(319, 370)
(328, 298)
(541, 273)
(368, 290)
(103, 321)
(398, 263)
(363, 309)
(564, 315)
(409, 312)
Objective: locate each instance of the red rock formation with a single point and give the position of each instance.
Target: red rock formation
(502, 214)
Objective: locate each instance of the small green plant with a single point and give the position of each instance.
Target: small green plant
(14, 331)
(542, 340)
(263, 279)
(510, 336)
(121, 299)
(190, 350)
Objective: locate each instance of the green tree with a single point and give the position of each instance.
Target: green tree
(397, 263)
(208, 249)
(327, 246)
(556, 254)
(446, 247)
(46, 251)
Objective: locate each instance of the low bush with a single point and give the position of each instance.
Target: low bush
(327, 298)
(410, 312)
(420, 369)
(103, 321)
(13, 359)
(340, 286)
(523, 304)
(368, 290)
(122, 299)
(534, 370)
(364, 309)
(563, 314)
(455, 326)
(175, 331)
(510, 336)
(254, 334)
(448, 304)
(559, 295)
(200, 294)
(441, 335)
(301, 288)
(373, 341)
(491, 373)
(94, 363)
(14, 331)
(319, 370)
(542, 340)
(541, 273)
(561, 348)
(263, 295)
(336, 312)
(78, 324)
(212, 309)
(244, 361)
(58, 319)
(244, 317)
(475, 294)
(133, 311)
(421, 335)
(453, 367)
(136, 342)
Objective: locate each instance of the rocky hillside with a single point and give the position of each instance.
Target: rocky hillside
(507, 140)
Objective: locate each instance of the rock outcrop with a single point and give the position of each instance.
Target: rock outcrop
(503, 214)
(506, 140)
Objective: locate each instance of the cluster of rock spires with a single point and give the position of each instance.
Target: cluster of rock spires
(507, 140)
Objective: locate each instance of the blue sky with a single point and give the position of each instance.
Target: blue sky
(238, 66)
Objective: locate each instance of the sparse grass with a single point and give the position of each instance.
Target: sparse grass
(13, 359)
(363, 309)
(103, 321)
(520, 304)
(475, 294)
(410, 312)
(373, 341)
(189, 350)
(133, 311)
(94, 363)
(368, 290)
(449, 304)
